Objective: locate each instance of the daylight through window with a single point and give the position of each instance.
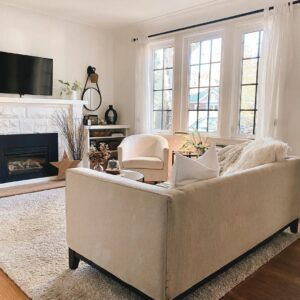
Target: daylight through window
(204, 85)
(252, 44)
(162, 88)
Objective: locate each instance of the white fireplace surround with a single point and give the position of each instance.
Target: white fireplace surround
(32, 115)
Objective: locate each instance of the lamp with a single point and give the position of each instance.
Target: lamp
(92, 74)
(92, 94)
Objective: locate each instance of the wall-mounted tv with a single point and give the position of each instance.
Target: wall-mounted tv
(23, 74)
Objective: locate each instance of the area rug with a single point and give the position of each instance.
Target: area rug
(33, 252)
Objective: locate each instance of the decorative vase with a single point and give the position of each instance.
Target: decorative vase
(74, 95)
(111, 115)
(98, 167)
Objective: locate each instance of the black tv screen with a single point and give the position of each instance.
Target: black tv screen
(23, 74)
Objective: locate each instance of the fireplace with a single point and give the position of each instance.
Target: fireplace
(27, 156)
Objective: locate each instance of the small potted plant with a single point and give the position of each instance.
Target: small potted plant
(98, 156)
(195, 143)
(72, 91)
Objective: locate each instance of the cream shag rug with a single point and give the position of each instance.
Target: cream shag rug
(33, 252)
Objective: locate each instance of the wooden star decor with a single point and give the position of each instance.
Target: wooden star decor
(63, 165)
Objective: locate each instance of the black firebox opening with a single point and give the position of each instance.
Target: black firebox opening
(27, 156)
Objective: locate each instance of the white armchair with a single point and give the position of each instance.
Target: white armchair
(145, 153)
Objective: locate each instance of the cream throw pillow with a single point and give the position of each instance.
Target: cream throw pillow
(259, 152)
(186, 170)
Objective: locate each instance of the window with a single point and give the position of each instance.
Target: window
(252, 43)
(162, 96)
(204, 85)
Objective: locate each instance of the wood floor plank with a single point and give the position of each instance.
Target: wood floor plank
(31, 188)
(9, 290)
(278, 279)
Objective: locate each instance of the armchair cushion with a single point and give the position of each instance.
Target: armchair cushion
(143, 162)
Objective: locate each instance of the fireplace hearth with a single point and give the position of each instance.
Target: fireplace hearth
(27, 156)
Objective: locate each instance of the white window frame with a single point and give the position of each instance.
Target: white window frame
(240, 31)
(199, 37)
(155, 46)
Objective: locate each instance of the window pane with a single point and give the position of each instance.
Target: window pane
(205, 51)
(157, 100)
(213, 121)
(204, 75)
(215, 74)
(193, 99)
(251, 42)
(194, 76)
(248, 97)
(216, 50)
(167, 120)
(168, 79)
(167, 100)
(195, 54)
(192, 120)
(203, 98)
(162, 88)
(202, 120)
(158, 80)
(246, 122)
(249, 71)
(204, 93)
(157, 120)
(214, 98)
(168, 57)
(158, 58)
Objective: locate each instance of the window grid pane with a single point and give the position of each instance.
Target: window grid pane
(252, 43)
(162, 95)
(204, 85)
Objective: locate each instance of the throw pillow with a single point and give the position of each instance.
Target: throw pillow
(186, 170)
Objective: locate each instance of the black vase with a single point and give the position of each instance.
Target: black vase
(111, 115)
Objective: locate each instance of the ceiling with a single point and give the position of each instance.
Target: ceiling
(107, 13)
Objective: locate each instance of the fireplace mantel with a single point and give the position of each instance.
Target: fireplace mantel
(47, 101)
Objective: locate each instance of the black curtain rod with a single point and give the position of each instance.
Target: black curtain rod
(254, 12)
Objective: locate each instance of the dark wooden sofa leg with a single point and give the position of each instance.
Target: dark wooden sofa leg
(73, 260)
(294, 226)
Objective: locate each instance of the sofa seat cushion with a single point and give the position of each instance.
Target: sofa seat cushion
(143, 162)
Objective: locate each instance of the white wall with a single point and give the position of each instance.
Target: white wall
(125, 61)
(72, 46)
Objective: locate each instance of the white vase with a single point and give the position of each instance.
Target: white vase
(75, 95)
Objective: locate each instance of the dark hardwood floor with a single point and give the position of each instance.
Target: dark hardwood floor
(279, 279)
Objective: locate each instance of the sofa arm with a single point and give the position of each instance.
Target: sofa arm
(120, 225)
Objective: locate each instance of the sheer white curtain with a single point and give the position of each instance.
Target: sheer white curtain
(142, 88)
(276, 56)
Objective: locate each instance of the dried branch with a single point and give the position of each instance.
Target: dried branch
(73, 132)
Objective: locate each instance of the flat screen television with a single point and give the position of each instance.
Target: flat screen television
(23, 74)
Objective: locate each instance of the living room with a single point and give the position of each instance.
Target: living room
(149, 150)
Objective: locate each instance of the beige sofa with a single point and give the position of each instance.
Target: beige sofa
(165, 241)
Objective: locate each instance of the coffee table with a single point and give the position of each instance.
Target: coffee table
(133, 175)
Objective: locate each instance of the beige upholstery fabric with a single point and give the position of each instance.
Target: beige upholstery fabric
(163, 241)
(143, 162)
(145, 153)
